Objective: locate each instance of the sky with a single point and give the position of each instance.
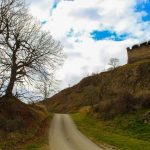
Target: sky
(92, 32)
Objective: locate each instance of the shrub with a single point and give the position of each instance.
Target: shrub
(124, 103)
(105, 109)
(144, 98)
(10, 125)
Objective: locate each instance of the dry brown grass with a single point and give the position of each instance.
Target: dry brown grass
(132, 78)
(125, 103)
(19, 122)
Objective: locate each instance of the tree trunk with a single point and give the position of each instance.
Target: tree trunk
(9, 90)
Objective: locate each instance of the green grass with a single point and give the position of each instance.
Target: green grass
(38, 144)
(32, 147)
(124, 132)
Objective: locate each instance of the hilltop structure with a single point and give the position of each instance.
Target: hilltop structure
(139, 52)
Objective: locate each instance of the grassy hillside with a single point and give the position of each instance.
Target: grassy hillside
(125, 132)
(21, 123)
(127, 86)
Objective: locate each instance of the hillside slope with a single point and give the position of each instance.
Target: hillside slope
(130, 81)
(20, 123)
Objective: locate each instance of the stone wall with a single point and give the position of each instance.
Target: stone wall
(139, 52)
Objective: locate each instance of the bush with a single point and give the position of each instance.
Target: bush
(123, 104)
(144, 98)
(10, 125)
(104, 108)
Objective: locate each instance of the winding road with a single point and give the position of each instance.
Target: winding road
(65, 136)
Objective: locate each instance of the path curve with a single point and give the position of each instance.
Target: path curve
(65, 136)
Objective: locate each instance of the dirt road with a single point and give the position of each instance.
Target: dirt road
(65, 136)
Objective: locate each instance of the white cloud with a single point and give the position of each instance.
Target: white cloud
(114, 15)
(40, 9)
(84, 54)
(94, 57)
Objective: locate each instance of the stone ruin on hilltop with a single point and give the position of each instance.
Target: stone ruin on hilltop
(139, 52)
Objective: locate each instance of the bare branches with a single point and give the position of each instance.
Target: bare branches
(47, 88)
(9, 11)
(26, 52)
(113, 62)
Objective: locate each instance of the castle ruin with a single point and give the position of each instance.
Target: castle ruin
(139, 52)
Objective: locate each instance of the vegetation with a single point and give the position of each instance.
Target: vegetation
(124, 103)
(126, 132)
(20, 123)
(112, 87)
(113, 62)
(92, 96)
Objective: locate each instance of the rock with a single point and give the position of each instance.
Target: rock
(146, 118)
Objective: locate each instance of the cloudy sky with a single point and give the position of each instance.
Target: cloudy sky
(92, 32)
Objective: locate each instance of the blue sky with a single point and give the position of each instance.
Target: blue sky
(141, 6)
(145, 6)
(100, 35)
(108, 34)
(92, 32)
(54, 6)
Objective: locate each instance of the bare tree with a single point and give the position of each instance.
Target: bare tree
(26, 52)
(47, 87)
(113, 62)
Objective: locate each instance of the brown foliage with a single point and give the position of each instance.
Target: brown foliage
(123, 104)
(15, 115)
(122, 90)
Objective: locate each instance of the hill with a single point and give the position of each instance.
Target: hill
(123, 89)
(20, 123)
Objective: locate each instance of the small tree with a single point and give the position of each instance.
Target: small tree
(113, 62)
(46, 88)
